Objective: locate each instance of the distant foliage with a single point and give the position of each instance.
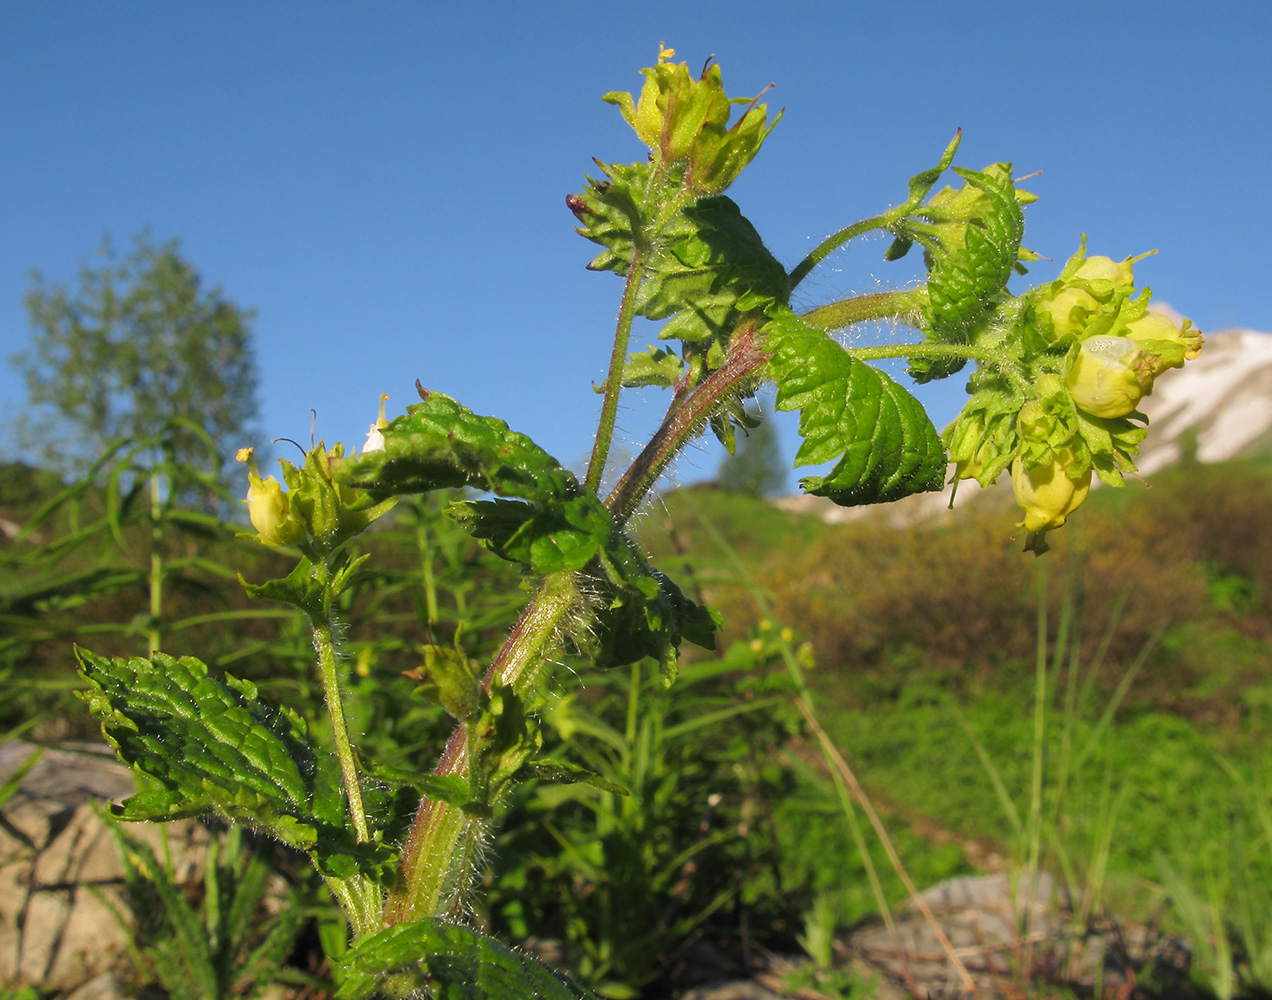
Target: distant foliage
(756, 467)
(135, 342)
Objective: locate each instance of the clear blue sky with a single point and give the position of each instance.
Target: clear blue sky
(385, 182)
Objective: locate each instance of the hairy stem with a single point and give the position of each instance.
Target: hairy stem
(325, 645)
(614, 378)
(984, 355)
(833, 242)
(904, 306)
(437, 863)
(745, 359)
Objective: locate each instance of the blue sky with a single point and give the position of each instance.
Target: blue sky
(385, 182)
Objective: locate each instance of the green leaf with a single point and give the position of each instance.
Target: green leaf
(548, 538)
(216, 747)
(554, 525)
(713, 268)
(450, 962)
(967, 277)
(449, 788)
(704, 267)
(879, 436)
(439, 444)
(653, 366)
(645, 614)
(566, 771)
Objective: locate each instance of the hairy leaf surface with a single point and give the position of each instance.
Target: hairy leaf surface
(879, 436)
(452, 963)
(705, 264)
(216, 747)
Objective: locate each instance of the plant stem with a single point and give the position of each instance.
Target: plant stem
(614, 378)
(153, 633)
(745, 359)
(984, 355)
(325, 646)
(904, 306)
(832, 243)
(437, 859)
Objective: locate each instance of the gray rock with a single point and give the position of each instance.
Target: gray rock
(60, 872)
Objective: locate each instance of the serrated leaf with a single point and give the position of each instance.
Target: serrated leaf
(965, 280)
(216, 747)
(705, 267)
(450, 962)
(652, 367)
(565, 771)
(714, 263)
(879, 436)
(439, 444)
(299, 588)
(449, 788)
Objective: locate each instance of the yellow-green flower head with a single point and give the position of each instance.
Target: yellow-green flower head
(965, 439)
(269, 507)
(1106, 269)
(956, 209)
(1047, 494)
(1109, 376)
(1035, 421)
(1069, 309)
(686, 120)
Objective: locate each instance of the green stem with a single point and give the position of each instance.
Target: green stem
(981, 354)
(919, 187)
(833, 242)
(614, 378)
(153, 633)
(325, 645)
(904, 306)
(437, 860)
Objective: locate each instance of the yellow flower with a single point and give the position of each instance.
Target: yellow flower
(269, 507)
(1048, 494)
(1154, 325)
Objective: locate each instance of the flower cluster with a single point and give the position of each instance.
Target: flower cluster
(315, 512)
(1091, 351)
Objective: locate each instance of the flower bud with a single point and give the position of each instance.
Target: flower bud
(1109, 376)
(269, 507)
(1154, 325)
(1079, 297)
(686, 120)
(1068, 310)
(1106, 269)
(1048, 494)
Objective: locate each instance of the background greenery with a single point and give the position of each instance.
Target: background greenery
(923, 650)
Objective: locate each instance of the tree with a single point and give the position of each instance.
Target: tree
(137, 343)
(756, 467)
